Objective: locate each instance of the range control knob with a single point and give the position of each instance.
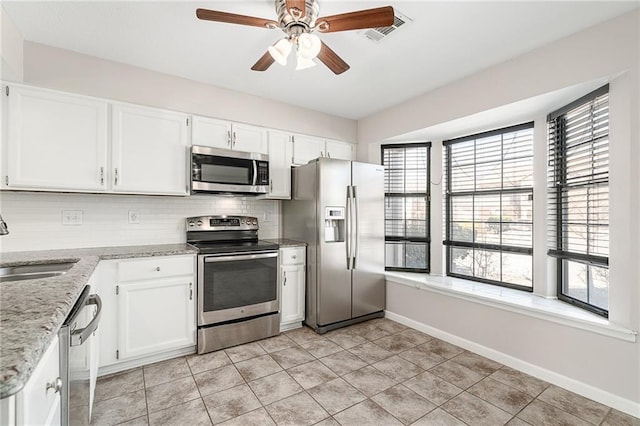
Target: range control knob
(199, 223)
(192, 224)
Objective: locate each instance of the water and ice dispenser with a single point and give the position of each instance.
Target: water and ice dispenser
(334, 224)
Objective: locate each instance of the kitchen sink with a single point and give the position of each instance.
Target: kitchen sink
(34, 271)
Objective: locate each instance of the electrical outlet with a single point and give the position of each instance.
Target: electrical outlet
(266, 216)
(134, 216)
(72, 217)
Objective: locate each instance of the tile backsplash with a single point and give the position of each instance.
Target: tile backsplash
(35, 219)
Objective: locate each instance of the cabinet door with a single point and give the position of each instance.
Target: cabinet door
(339, 150)
(154, 316)
(149, 151)
(292, 293)
(280, 151)
(39, 402)
(56, 141)
(211, 132)
(306, 148)
(248, 138)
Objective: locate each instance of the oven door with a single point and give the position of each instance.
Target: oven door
(238, 285)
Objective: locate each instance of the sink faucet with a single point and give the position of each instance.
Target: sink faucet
(3, 226)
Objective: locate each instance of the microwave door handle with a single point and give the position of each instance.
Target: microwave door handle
(255, 172)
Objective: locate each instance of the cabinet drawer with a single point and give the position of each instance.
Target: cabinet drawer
(37, 404)
(155, 267)
(292, 256)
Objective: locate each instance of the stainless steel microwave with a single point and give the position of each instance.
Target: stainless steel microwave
(218, 170)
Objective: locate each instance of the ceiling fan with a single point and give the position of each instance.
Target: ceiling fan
(298, 19)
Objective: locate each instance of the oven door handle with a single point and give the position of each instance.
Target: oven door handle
(228, 258)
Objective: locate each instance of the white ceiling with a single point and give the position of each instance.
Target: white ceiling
(445, 42)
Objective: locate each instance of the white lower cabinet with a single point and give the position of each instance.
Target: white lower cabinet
(148, 309)
(292, 287)
(38, 403)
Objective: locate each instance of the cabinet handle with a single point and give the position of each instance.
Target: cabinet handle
(328, 154)
(285, 278)
(321, 153)
(158, 268)
(294, 257)
(270, 185)
(56, 385)
(234, 139)
(101, 175)
(229, 137)
(116, 177)
(190, 291)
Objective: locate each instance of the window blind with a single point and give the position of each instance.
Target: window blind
(407, 219)
(489, 206)
(579, 200)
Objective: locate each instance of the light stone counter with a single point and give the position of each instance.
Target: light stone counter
(32, 311)
(285, 242)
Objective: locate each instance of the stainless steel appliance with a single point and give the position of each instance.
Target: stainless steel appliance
(238, 293)
(224, 171)
(337, 208)
(78, 359)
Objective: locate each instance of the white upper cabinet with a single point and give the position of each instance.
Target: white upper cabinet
(247, 138)
(227, 135)
(339, 150)
(280, 152)
(56, 141)
(211, 132)
(149, 150)
(306, 148)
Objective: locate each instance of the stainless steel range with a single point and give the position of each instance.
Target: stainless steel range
(238, 293)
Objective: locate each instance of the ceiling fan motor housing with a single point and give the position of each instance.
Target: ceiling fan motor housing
(294, 25)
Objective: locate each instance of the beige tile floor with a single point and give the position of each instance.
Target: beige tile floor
(375, 373)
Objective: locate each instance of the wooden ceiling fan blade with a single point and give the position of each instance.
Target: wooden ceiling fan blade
(332, 60)
(298, 4)
(264, 62)
(369, 18)
(232, 18)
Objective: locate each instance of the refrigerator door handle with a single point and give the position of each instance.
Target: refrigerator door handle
(348, 230)
(356, 227)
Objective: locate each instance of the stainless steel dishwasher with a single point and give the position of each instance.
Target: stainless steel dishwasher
(78, 359)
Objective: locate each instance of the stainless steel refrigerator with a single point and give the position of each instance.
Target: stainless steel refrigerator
(337, 208)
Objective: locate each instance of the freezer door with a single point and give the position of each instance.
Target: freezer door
(334, 279)
(368, 274)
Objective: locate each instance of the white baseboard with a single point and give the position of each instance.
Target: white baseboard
(139, 362)
(588, 391)
(290, 326)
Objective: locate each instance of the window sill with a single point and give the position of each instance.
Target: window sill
(515, 301)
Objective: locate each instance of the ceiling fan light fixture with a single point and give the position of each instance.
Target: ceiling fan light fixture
(309, 45)
(303, 63)
(280, 51)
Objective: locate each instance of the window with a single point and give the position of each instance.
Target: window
(407, 205)
(579, 200)
(489, 207)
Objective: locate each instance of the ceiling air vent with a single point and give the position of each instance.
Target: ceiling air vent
(377, 34)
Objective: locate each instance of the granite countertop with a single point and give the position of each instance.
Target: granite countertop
(32, 311)
(285, 242)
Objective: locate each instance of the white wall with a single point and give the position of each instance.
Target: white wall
(606, 52)
(11, 49)
(35, 219)
(61, 69)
